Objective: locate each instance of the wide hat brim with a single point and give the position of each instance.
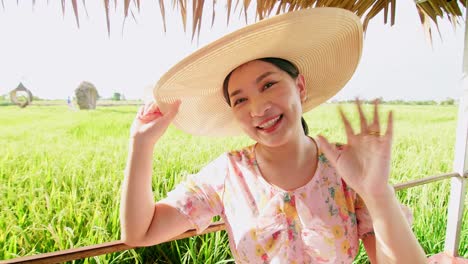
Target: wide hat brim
(324, 43)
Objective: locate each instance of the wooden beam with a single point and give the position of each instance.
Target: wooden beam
(458, 185)
(96, 250)
(71, 254)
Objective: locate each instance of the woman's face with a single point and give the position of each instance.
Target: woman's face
(266, 102)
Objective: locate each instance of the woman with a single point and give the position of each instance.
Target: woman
(289, 198)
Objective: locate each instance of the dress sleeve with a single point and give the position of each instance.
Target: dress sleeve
(199, 197)
(364, 220)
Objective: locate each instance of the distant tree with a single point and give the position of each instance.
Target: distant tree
(116, 97)
(5, 100)
(396, 102)
(448, 101)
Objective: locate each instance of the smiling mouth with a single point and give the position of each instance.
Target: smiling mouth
(270, 123)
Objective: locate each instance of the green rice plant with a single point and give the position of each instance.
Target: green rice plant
(61, 171)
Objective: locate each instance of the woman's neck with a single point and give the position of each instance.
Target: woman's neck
(295, 152)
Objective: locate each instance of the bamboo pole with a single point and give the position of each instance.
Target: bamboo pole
(458, 185)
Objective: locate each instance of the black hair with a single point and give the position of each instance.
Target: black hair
(283, 65)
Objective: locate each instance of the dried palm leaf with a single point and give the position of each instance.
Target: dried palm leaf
(182, 4)
(213, 14)
(245, 7)
(63, 7)
(197, 10)
(75, 10)
(126, 6)
(375, 9)
(163, 13)
(228, 6)
(85, 9)
(106, 8)
(425, 23)
(367, 9)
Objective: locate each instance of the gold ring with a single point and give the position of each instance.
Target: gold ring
(374, 133)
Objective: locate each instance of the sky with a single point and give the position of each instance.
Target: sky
(51, 56)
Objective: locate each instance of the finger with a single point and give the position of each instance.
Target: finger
(140, 112)
(328, 149)
(154, 108)
(150, 117)
(159, 125)
(147, 107)
(389, 132)
(347, 125)
(362, 118)
(376, 122)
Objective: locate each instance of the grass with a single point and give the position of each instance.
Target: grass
(61, 170)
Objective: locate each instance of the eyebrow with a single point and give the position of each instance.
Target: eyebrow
(259, 79)
(263, 76)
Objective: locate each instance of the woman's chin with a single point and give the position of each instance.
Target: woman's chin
(270, 140)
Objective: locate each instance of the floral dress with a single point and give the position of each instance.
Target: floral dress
(320, 222)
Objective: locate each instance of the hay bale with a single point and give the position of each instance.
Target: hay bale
(86, 96)
(14, 96)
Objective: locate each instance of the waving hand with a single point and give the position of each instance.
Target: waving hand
(364, 162)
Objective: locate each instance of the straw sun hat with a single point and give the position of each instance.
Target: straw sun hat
(324, 43)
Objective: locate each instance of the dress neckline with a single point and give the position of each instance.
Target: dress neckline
(279, 189)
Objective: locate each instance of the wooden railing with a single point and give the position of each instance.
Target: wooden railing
(96, 250)
(115, 246)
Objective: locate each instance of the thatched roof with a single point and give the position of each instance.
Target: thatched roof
(429, 10)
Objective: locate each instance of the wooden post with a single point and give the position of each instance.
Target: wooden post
(458, 185)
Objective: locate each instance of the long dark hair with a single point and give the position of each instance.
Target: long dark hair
(283, 65)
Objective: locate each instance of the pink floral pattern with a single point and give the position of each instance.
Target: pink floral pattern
(320, 222)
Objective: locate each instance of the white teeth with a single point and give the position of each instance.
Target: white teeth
(269, 123)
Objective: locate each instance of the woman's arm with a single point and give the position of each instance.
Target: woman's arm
(393, 240)
(136, 204)
(369, 244)
(144, 222)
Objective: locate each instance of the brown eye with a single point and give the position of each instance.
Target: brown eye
(238, 101)
(268, 85)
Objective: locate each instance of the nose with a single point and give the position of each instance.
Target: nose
(259, 106)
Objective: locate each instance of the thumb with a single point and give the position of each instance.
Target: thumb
(329, 150)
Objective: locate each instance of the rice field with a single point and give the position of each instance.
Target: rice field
(61, 171)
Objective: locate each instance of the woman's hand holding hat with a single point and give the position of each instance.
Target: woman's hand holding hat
(364, 162)
(150, 123)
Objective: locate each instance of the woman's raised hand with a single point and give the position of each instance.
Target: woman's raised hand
(150, 123)
(364, 162)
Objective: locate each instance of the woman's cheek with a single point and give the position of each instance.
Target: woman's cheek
(237, 113)
(241, 114)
